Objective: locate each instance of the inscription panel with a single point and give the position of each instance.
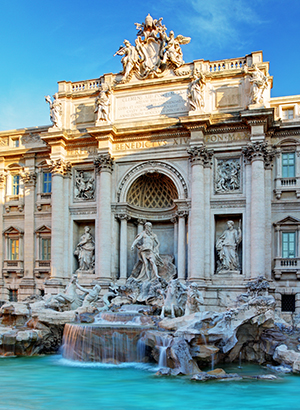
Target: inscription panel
(170, 104)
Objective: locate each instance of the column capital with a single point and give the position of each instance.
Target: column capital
(182, 214)
(2, 179)
(141, 221)
(60, 167)
(104, 162)
(259, 151)
(200, 155)
(29, 178)
(123, 216)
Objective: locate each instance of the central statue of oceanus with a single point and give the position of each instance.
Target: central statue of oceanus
(153, 52)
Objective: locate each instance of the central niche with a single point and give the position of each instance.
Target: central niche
(152, 190)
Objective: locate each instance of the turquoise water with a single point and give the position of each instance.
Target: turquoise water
(52, 383)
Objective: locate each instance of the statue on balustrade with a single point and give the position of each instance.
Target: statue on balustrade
(259, 85)
(55, 110)
(85, 251)
(148, 252)
(227, 249)
(196, 92)
(102, 104)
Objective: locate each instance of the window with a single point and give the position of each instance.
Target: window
(288, 165)
(46, 249)
(16, 142)
(288, 303)
(288, 244)
(13, 295)
(16, 184)
(47, 182)
(14, 249)
(288, 114)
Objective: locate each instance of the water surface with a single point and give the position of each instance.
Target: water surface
(53, 383)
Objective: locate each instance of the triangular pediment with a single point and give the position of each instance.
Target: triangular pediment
(43, 229)
(12, 230)
(289, 220)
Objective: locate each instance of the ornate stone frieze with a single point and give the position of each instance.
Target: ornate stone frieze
(200, 155)
(228, 176)
(55, 111)
(84, 185)
(29, 178)
(154, 51)
(196, 91)
(59, 167)
(259, 150)
(104, 162)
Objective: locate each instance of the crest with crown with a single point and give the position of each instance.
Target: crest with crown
(153, 52)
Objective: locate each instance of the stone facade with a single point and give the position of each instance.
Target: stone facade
(185, 146)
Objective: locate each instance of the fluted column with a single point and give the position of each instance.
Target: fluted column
(59, 170)
(199, 157)
(181, 264)
(123, 245)
(257, 154)
(104, 167)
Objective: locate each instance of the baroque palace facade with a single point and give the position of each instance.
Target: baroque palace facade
(198, 149)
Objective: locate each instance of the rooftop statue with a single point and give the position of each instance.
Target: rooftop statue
(153, 52)
(102, 104)
(55, 110)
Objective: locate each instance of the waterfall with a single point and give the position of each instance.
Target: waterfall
(212, 361)
(162, 343)
(107, 344)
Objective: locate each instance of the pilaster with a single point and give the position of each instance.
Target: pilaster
(123, 218)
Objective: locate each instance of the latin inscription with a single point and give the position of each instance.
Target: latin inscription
(237, 136)
(136, 145)
(152, 104)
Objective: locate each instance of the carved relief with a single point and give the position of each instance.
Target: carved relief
(102, 104)
(104, 162)
(84, 188)
(228, 176)
(153, 52)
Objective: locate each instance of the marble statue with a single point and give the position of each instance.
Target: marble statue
(153, 51)
(84, 186)
(92, 296)
(171, 300)
(227, 248)
(85, 251)
(228, 175)
(195, 301)
(148, 252)
(259, 85)
(102, 104)
(55, 110)
(196, 92)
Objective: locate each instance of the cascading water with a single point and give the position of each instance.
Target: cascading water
(107, 344)
(162, 343)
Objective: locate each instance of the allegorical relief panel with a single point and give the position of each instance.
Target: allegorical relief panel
(228, 176)
(84, 185)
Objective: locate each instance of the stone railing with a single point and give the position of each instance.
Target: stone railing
(13, 266)
(232, 64)
(286, 265)
(85, 85)
(287, 184)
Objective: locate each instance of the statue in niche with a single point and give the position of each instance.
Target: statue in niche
(148, 252)
(84, 186)
(195, 301)
(55, 110)
(85, 251)
(227, 248)
(102, 104)
(259, 85)
(228, 176)
(196, 92)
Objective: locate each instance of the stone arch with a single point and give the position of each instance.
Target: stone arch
(160, 167)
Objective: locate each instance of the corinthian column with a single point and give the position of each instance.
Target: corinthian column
(59, 169)
(258, 155)
(181, 244)
(123, 245)
(104, 167)
(199, 157)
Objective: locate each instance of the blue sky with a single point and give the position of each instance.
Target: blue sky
(43, 42)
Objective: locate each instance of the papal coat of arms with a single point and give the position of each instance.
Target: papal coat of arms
(153, 52)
